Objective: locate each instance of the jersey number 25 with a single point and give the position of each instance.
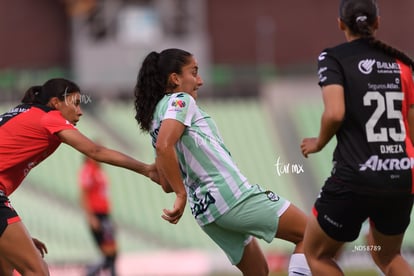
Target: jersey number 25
(385, 104)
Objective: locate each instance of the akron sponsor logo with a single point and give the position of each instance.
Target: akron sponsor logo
(388, 164)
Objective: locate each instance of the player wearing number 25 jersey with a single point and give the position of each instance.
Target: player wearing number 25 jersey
(368, 94)
(374, 151)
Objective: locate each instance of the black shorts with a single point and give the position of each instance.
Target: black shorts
(341, 212)
(105, 235)
(7, 213)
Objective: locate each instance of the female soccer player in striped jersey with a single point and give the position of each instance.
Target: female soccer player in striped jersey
(368, 93)
(194, 163)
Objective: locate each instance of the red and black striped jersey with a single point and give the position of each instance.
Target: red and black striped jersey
(374, 152)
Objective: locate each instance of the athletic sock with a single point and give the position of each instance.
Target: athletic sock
(110, 264)
(298, 265)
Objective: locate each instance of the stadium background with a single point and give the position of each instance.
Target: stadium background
(258, 62)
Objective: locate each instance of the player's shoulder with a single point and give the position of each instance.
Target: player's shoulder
(182, 99)
(347, 49)
(182, 95)
(55, 118)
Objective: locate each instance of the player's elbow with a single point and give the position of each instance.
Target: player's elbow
(167, 188)
(334, 116)
(97, 153)
(162, 148)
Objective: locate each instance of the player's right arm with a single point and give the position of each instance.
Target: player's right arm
(331, 120)
(167, 163)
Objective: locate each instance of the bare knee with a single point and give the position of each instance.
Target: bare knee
(253, 261)
(383, 261)
(292, 225)
(5, 268)
(255, 270)
(39, 269)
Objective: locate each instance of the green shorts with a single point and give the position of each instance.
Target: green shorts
(257, 215)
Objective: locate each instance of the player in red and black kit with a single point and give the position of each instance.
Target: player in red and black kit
(95, 201)
(368, 95)
(29, 133)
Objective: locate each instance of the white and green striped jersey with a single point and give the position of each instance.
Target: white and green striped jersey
(213, 182)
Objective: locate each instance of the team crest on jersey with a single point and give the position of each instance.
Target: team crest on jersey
(272, 196)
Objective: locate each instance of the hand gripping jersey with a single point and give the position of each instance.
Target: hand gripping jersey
(27, 137)
(213, 182)
(374, 152)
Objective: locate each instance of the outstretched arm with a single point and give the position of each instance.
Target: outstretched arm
(99, 153)
(333, 114)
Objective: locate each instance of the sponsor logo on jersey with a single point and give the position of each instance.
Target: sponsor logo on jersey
(388, 164)
(13, 112)
(365, 66)
(177, 103)
(272, 196)
(385, 86)
(388, 65)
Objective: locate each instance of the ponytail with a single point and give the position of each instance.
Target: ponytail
(153, 82)
(361, 17)
(32, 95)
(59, 88)
(149, 89)
(391, 51)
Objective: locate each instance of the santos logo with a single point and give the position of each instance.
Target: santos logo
(376, 164)
(365, 66)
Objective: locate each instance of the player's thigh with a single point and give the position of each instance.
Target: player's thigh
(292, 224)
(18, 249)
(317, 244)
(385, 247)
(253, 261)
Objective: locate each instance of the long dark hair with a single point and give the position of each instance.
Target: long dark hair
(41, 94)
(152, 82)
(360, 16)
